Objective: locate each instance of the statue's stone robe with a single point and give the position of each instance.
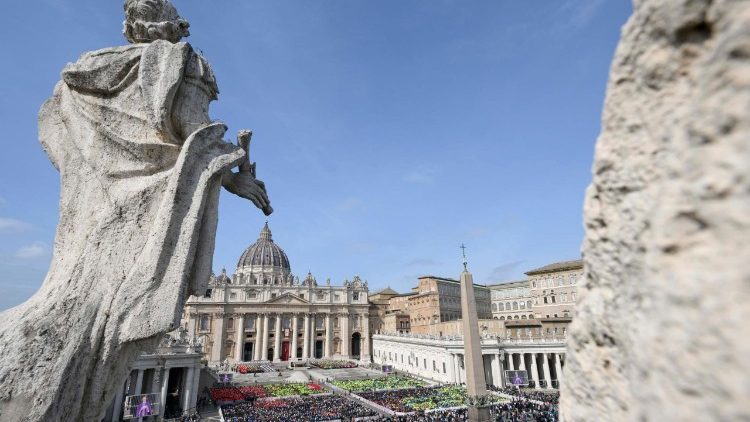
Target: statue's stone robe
(138, 214)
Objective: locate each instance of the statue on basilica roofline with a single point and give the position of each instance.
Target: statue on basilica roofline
(141, 166)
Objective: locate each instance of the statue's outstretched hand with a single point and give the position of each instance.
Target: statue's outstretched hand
(243, 183)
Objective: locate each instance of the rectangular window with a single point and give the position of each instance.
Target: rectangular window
(204, 323)
(444, 368)
(233, 295)
(230, 323)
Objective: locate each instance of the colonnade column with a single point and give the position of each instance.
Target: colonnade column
(451, 369)
(258, 344)
(558, 369)
(456, 365)
(497, 371)
(511, 364)
(240, 346)
(264, 347)
(196, 383)
(545, 370)
(306, 338)
(293, 354)
(522, 367)
(534, 371)
(346, 337)
(329, 336)
(277, 340)
(138, 383)
(165, 383)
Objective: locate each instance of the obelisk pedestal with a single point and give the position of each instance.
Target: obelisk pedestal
(476, 386)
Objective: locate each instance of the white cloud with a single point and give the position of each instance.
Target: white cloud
(8, 224)
(35, 250)
(421, 175)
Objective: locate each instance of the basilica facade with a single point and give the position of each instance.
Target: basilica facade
(262, 312)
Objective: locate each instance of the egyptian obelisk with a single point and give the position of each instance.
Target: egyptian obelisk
(473, 363)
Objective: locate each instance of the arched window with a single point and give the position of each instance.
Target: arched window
(528, 304)
(502, 318)
(515, 317)
(494, 306)
(515, 306)
(523, 316)
(523, 305)
(531, 316)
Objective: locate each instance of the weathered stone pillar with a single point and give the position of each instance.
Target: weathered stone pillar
(240, 346)
(295, 334)
(264, 347)
(196, 385)
(277, 340)
(258, 340)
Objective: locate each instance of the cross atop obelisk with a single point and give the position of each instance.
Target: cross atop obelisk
(476, 386)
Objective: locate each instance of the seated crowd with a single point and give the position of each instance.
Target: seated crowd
(313, 409)
(546, 396)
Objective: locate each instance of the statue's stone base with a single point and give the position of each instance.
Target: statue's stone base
(479, 414)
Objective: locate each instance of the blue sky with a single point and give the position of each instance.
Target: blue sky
(388, 132)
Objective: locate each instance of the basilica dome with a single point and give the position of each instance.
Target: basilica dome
(264, 254)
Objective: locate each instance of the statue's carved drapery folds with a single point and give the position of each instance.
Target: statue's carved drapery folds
(141, 167)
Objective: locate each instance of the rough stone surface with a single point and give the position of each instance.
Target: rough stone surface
(141, 166)
(661, 331)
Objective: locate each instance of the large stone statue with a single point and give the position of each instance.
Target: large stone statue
(141, 166)
(661, 328)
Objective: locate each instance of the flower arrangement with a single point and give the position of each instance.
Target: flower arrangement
(333, 364)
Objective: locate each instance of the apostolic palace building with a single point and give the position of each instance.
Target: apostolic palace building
(263, 312)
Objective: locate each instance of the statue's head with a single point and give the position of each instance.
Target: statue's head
(150, 20)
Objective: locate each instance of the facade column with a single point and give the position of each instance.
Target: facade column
(277, 340)
(138, 383)
(240, 346)
(306, 338)
(534, 371)
(119, 397)
(264, 346)
(522, 366)
(188, 389)
(293, 355)
(329, 336)
(451, 369)
(258, 342)
(545, 370)
(365, 346)
(558, 369)
(346, 336)
(192, 319)
(164, 385)
(313, 334)
(217, 350)
(511, 364)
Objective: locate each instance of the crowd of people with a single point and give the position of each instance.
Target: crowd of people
(313, 409)
(546, 396)
(523, 410)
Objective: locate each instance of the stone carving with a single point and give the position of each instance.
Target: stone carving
(661, 326)
(141, 165)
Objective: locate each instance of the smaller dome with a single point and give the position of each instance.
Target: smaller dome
(264, 253)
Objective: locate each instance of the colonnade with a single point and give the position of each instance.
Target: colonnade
(532, 367)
